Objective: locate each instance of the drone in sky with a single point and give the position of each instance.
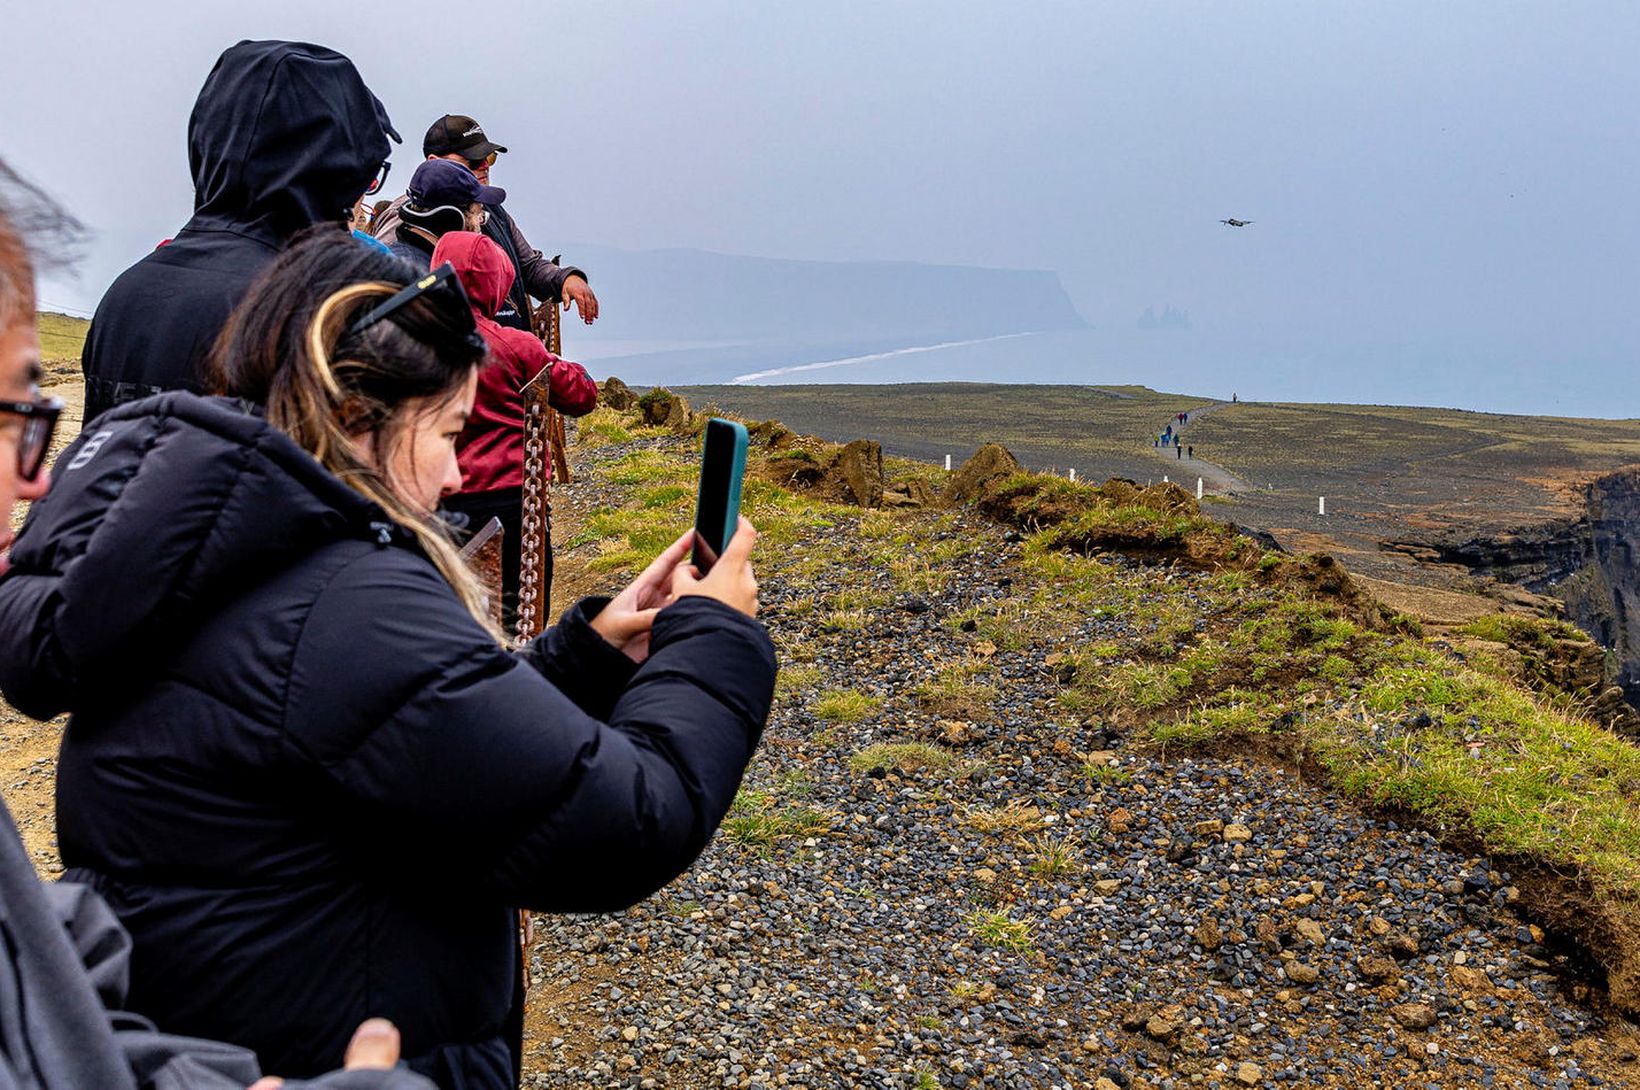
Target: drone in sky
(1235, 222)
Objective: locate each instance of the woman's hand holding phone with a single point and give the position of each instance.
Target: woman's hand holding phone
(731, 580)
(625, 622)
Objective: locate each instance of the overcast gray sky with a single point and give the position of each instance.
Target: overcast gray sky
(1453, 182)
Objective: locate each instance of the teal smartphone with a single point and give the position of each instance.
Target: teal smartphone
(717, 506)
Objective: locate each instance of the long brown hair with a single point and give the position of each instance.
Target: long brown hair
(289, 346)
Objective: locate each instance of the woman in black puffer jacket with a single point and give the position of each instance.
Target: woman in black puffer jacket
(296, 742)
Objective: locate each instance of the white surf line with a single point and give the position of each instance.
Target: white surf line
(753, 376)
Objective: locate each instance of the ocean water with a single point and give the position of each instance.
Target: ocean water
(1182, 361)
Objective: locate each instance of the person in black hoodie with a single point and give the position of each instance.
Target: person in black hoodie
(295, 739)
(283, 135)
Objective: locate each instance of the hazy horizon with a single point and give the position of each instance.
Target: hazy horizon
(1439, 194)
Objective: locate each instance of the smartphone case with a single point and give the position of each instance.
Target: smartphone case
(724, 431)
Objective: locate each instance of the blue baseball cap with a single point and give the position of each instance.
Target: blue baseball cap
(438, 182)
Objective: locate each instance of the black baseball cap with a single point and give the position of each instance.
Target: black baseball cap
(439, 182)
(458, 134)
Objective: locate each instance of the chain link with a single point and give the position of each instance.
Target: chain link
(532, 526)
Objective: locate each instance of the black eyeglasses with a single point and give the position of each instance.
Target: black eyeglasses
(39, 425)
(379, 180)
(478, 164)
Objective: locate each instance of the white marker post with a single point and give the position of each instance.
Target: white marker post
(1198, 488)
(1164, 479)
(1321, 506)
(948, 463)
(1073, 473)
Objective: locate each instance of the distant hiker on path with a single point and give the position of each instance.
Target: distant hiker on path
(282, 136)
(1220, 480)
(458, 138)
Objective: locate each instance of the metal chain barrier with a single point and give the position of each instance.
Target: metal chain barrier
(533, 524)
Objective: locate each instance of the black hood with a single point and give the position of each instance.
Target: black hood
(157, 512)
(283, 135)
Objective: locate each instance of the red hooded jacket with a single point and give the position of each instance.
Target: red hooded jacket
(491, 449)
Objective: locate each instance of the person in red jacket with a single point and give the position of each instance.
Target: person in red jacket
(491, 448)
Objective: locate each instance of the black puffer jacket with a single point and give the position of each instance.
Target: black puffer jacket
(283, 135)
(305, 779)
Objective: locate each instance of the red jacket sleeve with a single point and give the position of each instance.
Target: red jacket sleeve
(570, 389)
(573, 391)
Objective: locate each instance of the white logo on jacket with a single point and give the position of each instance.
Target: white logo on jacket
(89, 451)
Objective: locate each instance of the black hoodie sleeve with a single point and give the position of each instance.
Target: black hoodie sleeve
(464, 762)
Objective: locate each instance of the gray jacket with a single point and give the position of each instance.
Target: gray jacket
(63, 972)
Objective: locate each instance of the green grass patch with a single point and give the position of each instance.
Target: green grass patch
(667, 496)
(846, 706)
(1520, 631)
(649, 467)
(62, 337)
(795, 678)
(1202, 725)
(845, 620)
(1016, 817)
(955, 692)
(1108, 775)
(861, 596)
(1055, 857)
(1138, 684)
(996, 928)
(1522, 776)
(901, 755)
(1116, 527)
(757, 819)
(604, 426)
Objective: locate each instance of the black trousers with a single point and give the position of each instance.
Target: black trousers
(506, 504)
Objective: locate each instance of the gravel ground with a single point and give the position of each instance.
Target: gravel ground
(1050, 904)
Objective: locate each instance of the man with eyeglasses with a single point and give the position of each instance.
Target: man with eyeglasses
(283, 135)
(459, 138)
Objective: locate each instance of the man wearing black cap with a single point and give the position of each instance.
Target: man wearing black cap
(459, 138)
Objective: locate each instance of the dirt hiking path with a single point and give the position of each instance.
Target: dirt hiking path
(1215, 479)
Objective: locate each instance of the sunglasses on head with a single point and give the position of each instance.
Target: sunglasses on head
(487, 161)
(445, 273)
(39, 425)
